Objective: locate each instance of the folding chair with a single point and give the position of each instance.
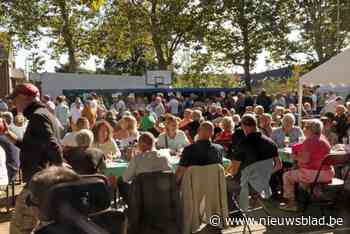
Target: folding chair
(328, 193)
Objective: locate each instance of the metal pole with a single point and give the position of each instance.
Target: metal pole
(338, 26)
(300, 102)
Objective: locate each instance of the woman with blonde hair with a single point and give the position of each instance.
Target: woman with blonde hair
(129, 133)
(172, 138)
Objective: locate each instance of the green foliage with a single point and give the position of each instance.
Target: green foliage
(289, 85)
(322, 35)
(243, 29)
(196, 80)
(66, 22)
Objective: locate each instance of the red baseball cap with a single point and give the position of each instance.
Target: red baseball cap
(27, 89)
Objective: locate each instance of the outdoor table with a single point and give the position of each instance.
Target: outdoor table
(284, 155)
(118, 167)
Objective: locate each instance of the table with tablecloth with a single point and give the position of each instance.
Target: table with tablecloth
(117, 167)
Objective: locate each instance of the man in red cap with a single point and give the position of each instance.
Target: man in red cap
(39, 148)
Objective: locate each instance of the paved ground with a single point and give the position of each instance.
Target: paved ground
(271, 210)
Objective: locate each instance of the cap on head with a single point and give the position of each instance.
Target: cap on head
(26, 89)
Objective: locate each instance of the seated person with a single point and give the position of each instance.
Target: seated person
(288, 129)
(103, 139)
(187, 119)
(69, 138)
(328, 130)
(128, 134)
(42, 182)
(265, 126)
(313, 150)
(225, 135)
(201, 153)
(256, 157)
(147, 160)
(84, 159)
(191, 128)
(173, 138)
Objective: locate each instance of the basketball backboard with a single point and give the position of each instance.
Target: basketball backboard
(158, 77)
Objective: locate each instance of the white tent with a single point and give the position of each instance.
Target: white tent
(335, 71)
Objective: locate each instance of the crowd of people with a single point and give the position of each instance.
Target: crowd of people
(247, 129)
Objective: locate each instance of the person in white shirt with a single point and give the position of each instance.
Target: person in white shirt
(62, 111)
(3, 169)
(158, 107)
(69, 140)
(173, 138)
(118, 105)
(75, 112)
(94, 102)
(174, 105)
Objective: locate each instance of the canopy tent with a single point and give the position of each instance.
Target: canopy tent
(335, 71)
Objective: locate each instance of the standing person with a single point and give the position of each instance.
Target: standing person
(264, 101)
(62, 112)
(3, 106)
(39, 148)
(88, 112)
(173, 105)
(50, 105)
(75, 112)
(158, 107)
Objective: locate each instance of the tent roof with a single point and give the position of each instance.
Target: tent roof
(335, 71)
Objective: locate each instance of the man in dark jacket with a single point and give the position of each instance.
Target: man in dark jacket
(264, 101)
(39, 148)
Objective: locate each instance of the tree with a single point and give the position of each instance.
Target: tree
(324, 29)
(242, 29)
(162, 26)
(65, 22)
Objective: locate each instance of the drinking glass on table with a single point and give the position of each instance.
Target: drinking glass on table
(286, 142)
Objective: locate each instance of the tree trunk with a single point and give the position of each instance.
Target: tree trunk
(246, 63)
(68, 38)
(157, 43)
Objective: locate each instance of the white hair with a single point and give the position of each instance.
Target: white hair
(288, 117)
(84, 138)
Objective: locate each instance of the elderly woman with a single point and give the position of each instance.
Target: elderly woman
(103, 139)
(309, 157)
(265, 124)
(227, 125)
(173, 138)
(288, 129)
